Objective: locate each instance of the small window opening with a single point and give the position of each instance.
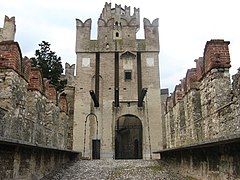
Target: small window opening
(107, 46)
(117, 34)
(128, 75)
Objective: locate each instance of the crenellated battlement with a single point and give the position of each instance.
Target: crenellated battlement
(117, 29)
(63, 104)
(7, 33)
(83, 34)
(216, 55)
(215, 59)
(11, 56)
(201, 118)
(50, 90)
(69, 69)
(119, 14)
(31, 103)
(86, 23)
(151, 34)
(147, 23)
(36, 80)
(195, 110)
(69, 74)
(33, 114)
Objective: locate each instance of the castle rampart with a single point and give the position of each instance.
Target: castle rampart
(203, 112)
(30, 120)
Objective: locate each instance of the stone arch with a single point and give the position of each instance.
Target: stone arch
(128, 137)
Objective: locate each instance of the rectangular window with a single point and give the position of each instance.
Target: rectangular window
(128, 75)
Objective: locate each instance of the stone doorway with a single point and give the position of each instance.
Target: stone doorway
(128, 137)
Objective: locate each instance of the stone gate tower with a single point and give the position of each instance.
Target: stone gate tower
(117, 95)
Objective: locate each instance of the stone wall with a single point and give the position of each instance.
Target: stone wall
(24, 161)
(194, 110)
(31, 113)
(34, 121)
(204, 109)
(216, 162)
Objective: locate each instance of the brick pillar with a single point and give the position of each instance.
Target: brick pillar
(50, 91)
(36, 80)
(63, 103)
(10, 56)
(216, 55)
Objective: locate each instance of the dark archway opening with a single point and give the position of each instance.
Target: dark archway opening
(128, 138)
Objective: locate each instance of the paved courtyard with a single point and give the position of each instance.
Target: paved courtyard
(115, 169)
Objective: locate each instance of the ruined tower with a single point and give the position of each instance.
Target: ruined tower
(117, 95)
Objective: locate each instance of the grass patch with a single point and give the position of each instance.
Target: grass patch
(191, 178)
(155, 168)
(119, 170)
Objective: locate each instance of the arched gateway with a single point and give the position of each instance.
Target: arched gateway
(128, 138)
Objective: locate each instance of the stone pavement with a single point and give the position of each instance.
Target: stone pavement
(115, 170)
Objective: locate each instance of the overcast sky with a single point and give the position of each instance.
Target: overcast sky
(184, 28)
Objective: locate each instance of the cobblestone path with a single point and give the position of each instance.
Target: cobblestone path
(114, 170)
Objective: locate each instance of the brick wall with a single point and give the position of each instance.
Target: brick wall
(216, 55)
(50, 91)
(63, 103)
(36, 80)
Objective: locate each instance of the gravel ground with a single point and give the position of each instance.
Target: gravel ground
(114, 170)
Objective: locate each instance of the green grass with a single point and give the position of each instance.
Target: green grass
(155, 168)
(191, 178)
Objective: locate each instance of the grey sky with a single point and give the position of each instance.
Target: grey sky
(184, 28)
